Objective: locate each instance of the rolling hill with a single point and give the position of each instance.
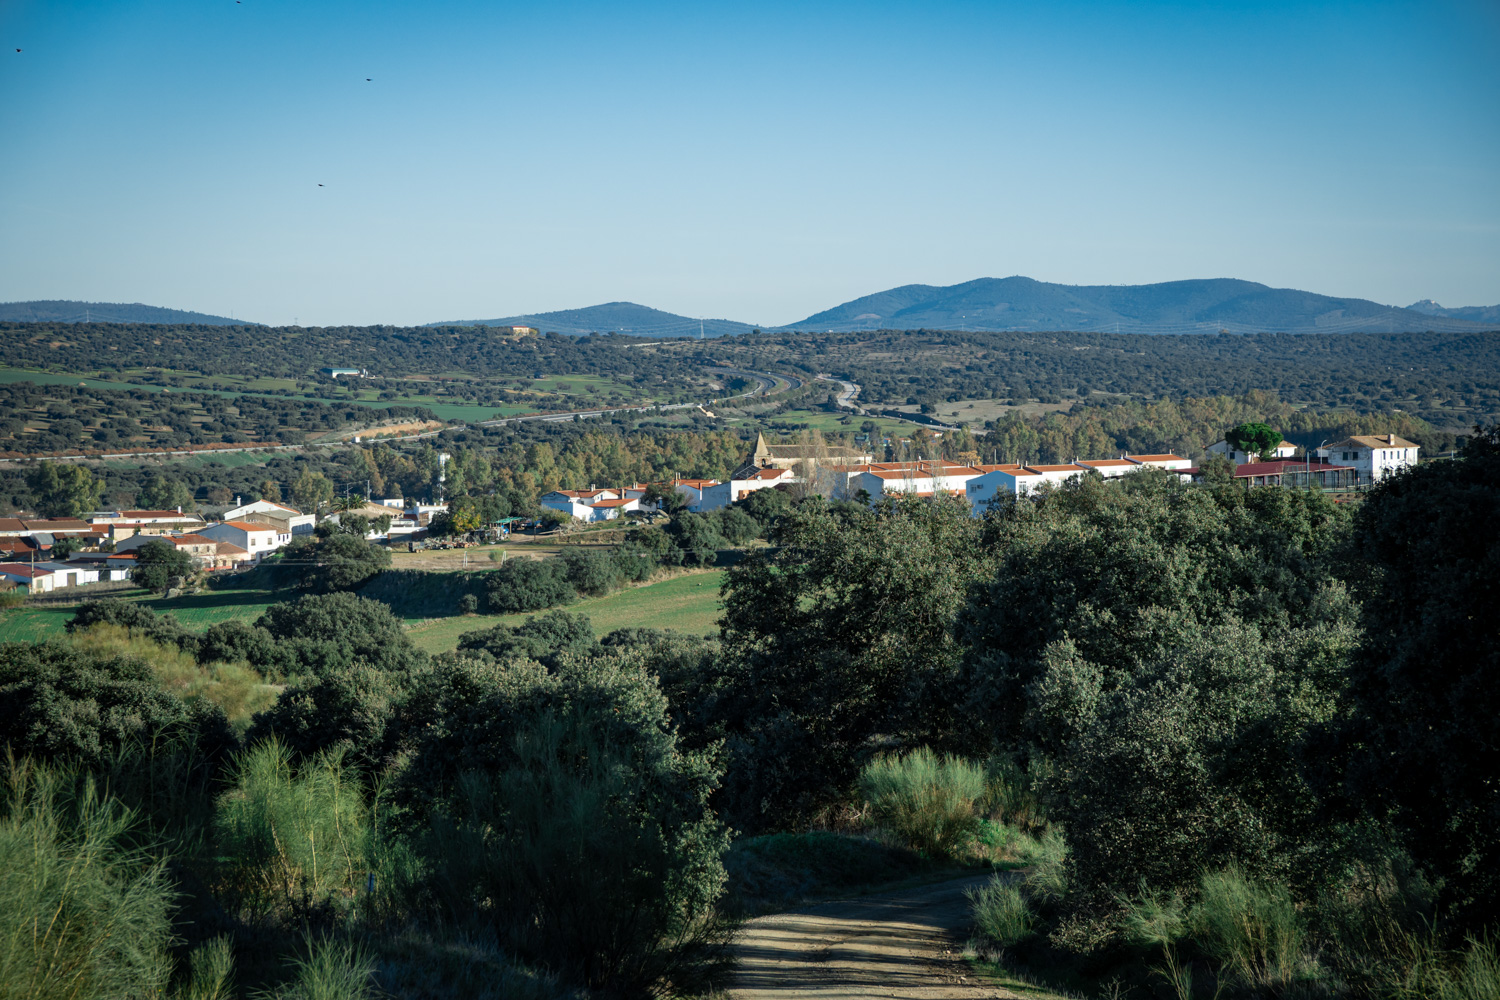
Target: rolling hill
(1196, 306)
(617, 317)
(64, 311)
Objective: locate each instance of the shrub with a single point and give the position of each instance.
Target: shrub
(292, 834)
(529, 585)
(543, 638)
(468, 604)
(81, 914)
(925, 799)
(58, 702)
(1001, 913)
(559, 810)
(345, 710)
(130, 615)
(592, 573)
(319, 634)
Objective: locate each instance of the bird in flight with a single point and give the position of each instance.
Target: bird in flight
(320, 185)
(367, 79)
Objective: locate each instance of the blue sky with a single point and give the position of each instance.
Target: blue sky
(756, 162)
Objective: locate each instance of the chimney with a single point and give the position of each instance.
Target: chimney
(236, 499)
(179, 508)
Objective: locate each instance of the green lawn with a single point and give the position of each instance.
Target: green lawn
(687, 604)
(196, 612)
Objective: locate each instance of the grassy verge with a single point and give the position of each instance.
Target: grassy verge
(688, 603)
(35, 623)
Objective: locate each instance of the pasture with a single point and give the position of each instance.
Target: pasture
(688, 603)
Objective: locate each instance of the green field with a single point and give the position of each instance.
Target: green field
(687, 604)
(196, 612)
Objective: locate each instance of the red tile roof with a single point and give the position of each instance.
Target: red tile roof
(1288, 465)
(247, 526)
(22, 569)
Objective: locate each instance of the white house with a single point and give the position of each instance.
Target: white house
(1373, 456)
(577, 503)
(255, 538)
(609, 510)
(1168, 461)
(737, 488)
(36, 579)
(1283, 451)
(288, 520)
(70, 574)
(921, 478)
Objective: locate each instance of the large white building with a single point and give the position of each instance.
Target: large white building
(288, 520)
(1372, 456)
(740, 485)
(255, 538)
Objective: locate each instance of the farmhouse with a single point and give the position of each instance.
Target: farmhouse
(286, 520)
(1373, 456)
(32, 579)
(1300, 473)
(256, 539)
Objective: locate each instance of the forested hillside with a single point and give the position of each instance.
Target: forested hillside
(61, 311)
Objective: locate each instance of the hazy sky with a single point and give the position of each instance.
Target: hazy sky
(754, 161)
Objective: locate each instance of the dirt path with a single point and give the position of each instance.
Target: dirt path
(901, 944)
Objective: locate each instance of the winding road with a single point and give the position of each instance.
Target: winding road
(906, 944)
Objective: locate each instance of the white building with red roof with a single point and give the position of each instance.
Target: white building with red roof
(743, 483)
(255, 538)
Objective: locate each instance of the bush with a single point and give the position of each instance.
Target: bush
(417, 593)
(133, 616)
(592, 573)
(1001, 913)
(544, 638)
(529, 585)
(292, 835)
(319, 634)
(81, 914)
(925, 799)
(558, 810)
(344, 710)
(58, 702)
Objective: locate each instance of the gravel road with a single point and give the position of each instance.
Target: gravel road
(899, 944)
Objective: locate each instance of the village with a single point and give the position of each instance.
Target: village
(41, 555)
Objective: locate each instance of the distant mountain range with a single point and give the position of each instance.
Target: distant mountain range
(1199, 306)
(62, 311)
(617, 317)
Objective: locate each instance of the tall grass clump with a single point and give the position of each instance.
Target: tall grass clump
(292, 835)
(1047, 881)
(235, 688)
(332, 970)
(1010, 794)
(82, 915)
(1001, 912)
(925, 799)
(211, 971)
(1252, 929)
